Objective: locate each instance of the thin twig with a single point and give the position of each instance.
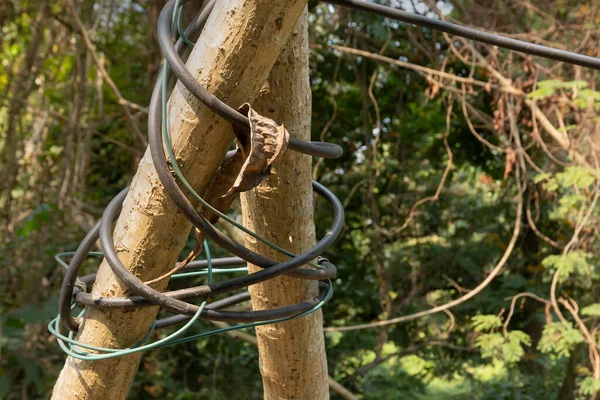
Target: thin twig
(593, 349)
(538, 138)
(581, 222)
(440, 187)
(536, 230)
(425, 70)
(323, 133)
(512, 306)
(472, 128)
(126, 105)
(495, 271)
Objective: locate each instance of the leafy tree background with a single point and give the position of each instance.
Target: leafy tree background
(450, 148)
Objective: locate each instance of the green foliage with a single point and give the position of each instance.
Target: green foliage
(496, 346)
(490, 344)
(568, 207)
(586, 98)
(559, 338)
(574, 264)
(415, 365)
(542, 177)
(486, 322)
(512, 350)
(576, 176)
(38, 217)
(591, 310)
(549, 87)
(572, 183)
(447, 249)
(589, 386)
(4, 385)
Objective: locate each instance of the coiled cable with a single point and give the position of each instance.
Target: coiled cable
(74, 289)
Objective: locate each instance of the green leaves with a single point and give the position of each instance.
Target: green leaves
(574, 263)
(549, 87)
(559, 338)
(486, 322)
(4, 385)
(591, 310)
(415, 365)
(587, 98)
(583, 97)
(38, 217)
(541, 93)
(497, 346)
(572, 176)
(490, 344)
(512, 350)
(542, 177)
(576, 176)
(509, 348)
(575, 185)
(589, 386)
(568, 207)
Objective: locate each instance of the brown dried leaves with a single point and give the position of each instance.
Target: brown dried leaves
(258, 149)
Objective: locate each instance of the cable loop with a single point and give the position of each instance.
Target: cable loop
(73, 290)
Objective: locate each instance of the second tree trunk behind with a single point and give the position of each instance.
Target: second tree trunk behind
(293, 363)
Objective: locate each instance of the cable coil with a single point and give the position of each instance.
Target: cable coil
(73, 290)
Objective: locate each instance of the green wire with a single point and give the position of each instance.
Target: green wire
(170, 340)
(220, 271)
(255, 324)
(58, 257)
(189, 187)
(112, 353)
(180, 29)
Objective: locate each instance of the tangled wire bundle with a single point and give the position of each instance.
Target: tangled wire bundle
(73, 290)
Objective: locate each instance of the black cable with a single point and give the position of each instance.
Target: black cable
(177, 306)
(317, 149)
(471, 33)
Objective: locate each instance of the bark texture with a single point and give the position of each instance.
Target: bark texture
(232, 59)
(293, 363)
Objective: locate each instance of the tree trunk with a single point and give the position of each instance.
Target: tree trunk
(292, 354)
(232, 59)
(333, 384)
(74, 130)
(20, 89)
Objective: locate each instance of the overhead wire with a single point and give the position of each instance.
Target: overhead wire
(466, 32)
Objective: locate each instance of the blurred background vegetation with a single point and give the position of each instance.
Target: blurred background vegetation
(462, 162)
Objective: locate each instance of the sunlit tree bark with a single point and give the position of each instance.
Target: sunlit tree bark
(292, 354)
